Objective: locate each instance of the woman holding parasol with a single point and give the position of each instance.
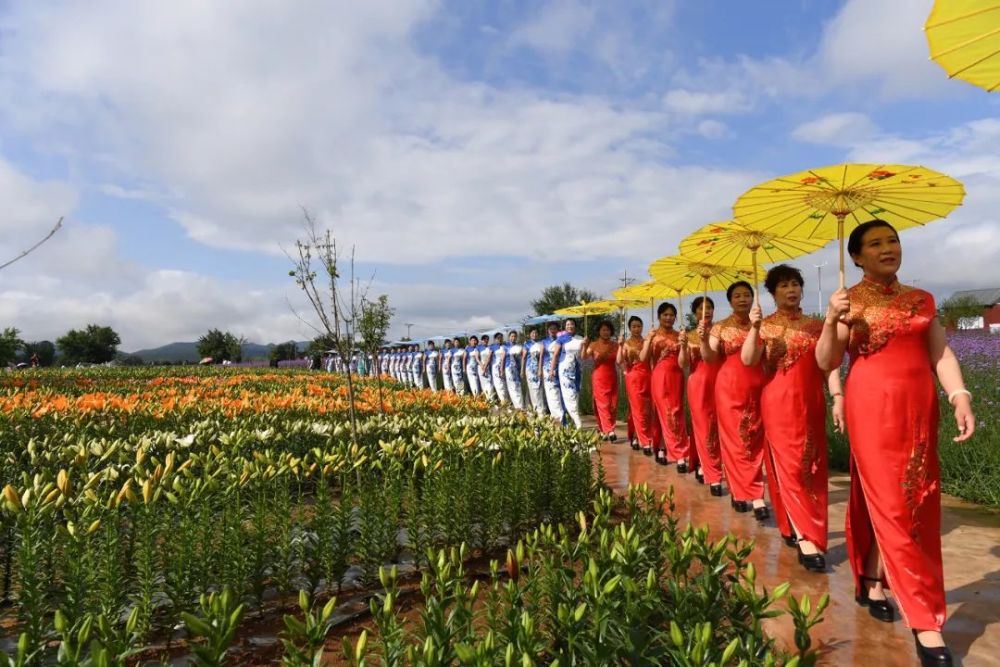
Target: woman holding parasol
(604, 379)
(637, 387)
(666, 354)
(701, 401)
(793, 410)
(737, 402)
(896, 347)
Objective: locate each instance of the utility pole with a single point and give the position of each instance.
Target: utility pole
(626, 281)
(819, 287)
(408, 325)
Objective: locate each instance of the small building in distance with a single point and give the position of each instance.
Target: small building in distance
(989, 300)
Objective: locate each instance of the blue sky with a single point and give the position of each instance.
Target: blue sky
(473, 152)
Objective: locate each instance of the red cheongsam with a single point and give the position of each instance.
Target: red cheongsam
(701, 401)
(737, 409)
(667, 386)
(793, 408)
(892, 422)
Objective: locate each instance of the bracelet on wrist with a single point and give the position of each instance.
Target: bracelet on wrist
(953, 394)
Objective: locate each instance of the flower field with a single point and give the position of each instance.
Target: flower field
(127, 494)
(969, 470)
(150, 516)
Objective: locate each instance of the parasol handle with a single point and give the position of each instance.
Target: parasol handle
(704, 301)
(840, 240)
(756, 288)
(680, 308)
(651, 320)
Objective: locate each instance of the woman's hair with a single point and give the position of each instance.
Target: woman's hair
(857, 237)
(634, 318)
(732, 288)
(567, 321)
(552, 325)
(608, 324)
(664, 307)
(498, 336)
(512, 332)
(473, 338)
(530, 329)
(780, 274)
(696, 304)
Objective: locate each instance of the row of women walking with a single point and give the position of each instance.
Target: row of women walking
(755, 391)
(538, 375)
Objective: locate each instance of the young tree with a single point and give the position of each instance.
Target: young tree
(561, 296)
(376, 316)
(220, 345)
(94, 345)
(284, 352)
(45, 350)
(316, 268)
(957, 308)
(10, 343)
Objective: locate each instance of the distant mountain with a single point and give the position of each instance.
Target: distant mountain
(174, 352)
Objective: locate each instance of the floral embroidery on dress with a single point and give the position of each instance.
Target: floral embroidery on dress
(917, 484)
(749, 427)
(787, 337)
(878, 313)
(731, 332)
(712, 442)
(665, 343)
(808, 464)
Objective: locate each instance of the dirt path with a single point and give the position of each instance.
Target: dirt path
(849, 636)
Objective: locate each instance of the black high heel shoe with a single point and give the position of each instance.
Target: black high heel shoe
(812, 562)
(878, 609)
(715, 490)
(661, 458)
(647, 451)
(761, 513)
(699, 476)
(613, 437)
(635, 445)
(932, 656)
(790, 540)
(741, 506)
(682, 467)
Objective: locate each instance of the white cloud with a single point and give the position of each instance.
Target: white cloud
(836, 129)
(557, 28)
(868, 52)
(698, 103)
(713, 129)
(881, 45)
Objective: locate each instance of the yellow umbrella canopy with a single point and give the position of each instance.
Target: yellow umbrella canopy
(690, 276)
(649, 292)
(601, 308)
(818, 203)
(964, 39)
(729, 243)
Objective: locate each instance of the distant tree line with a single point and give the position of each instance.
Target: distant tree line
(94, 344)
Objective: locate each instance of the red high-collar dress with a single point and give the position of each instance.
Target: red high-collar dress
(637, 387)
(604, 384)
(667, 387)
(793, 408)
(737, 409)
(892, 414)
(701, 400)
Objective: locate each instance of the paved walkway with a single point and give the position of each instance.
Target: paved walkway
(849, 636)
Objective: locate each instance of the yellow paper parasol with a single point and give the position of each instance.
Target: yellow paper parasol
(818, 203)
(586, 309)
(731, 244)
(650, 292)
(690, 276)
(964, 39)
